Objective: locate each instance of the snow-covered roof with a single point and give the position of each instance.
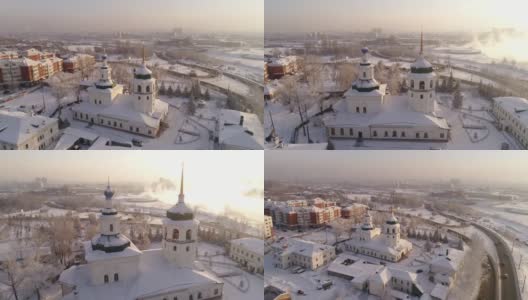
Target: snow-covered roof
(396, 113)
(155, 276)
(16, 127)
(516, 106)
(355, 268)
(378, 244)
(447, 263)
(122, 108)
(70, 135)
(248, 136)
(99, 255)
(277, 62)
(252, 244)
(421, 63)
(143, 70)
(180, 208)
(306, 248)
(440, 291)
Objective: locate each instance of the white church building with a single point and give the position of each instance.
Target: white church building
(383, 243)
(368, 112)
(117, 269)
(139, 112)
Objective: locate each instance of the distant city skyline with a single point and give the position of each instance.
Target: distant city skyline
(482, 167)
(63, 16)
(212, 178)
(392, 16)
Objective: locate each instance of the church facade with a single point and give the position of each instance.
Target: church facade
(139, 112)
(383, 243)
(117, 269)
(368, 112)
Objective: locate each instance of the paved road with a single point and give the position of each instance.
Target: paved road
(508, 287)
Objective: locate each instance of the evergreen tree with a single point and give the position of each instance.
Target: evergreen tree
(185, 92)
(206, 95)
(162, 89)
(457, 99)
(178, 92)
(170, 92)
(191, 107)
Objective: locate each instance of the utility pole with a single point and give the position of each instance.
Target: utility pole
(520, 260)
(524, 281)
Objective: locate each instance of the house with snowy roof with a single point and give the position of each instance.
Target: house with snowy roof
(445, 265)
(369, 112)
(23, 131)
(398, 283)
(512, 115)
(117, 269)
(307, 254)
(249, 253)
(238, 130)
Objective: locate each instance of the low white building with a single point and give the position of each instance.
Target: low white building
(354, 269)
(396, 283)
(445, 265)
(238, 130)
(307, 254)
(21, 131)
(249, 253)
(139, 112)
(512, 115)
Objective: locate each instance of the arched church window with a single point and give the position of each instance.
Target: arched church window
(394, 134)
(388, 230)
(106, 278)
(412, 84)
(175, 234)
(364, 110)
(417, 135)
(139, 88)
(188, 235)
(426, 135)
(421, 96)
(393, 230)
(148, 89)
(431, 84)
(422, 85)
(174, 248)
(111, 227)
(190, 297)
(386, 134)
(199, 295)
(116, 277)
(187, 249)
(364, 74)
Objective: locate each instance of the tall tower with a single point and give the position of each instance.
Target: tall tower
(367, 228)
(143, 88)
(391, 230)
(180, 232)
(110, 238)
(105, 80)
(366, 81)
(421, 92)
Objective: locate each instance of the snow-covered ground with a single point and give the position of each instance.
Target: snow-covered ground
(499, 217)
(212, 257)
(35, 101)
(427, 214)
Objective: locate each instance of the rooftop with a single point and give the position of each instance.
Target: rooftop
(253, 244)
(250, 135)
(17, 127)
(155, 276)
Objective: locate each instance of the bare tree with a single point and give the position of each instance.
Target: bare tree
(471, 272)
(122, 75)
(15, 276)
(346, 74)
(62, 236)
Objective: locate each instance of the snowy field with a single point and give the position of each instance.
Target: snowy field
(40, 99)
